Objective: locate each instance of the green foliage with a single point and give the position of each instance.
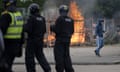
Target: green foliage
(108, 7)
(25, 4)
(1, 6)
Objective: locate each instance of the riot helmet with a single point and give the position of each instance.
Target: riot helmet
(63, 10)
(34, 8)
(8, 3)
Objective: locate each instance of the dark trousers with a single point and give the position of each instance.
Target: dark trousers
(7, 61)
(62, 57)
(35, 49)
(9, 54)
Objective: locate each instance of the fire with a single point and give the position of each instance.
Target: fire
(79, 34)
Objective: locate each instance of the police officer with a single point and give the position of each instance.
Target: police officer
(11, 22)
(63, 28)
(35, 29)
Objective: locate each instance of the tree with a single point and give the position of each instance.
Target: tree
(61, 2)
(25, 4)
(107, 8)
(1, 8)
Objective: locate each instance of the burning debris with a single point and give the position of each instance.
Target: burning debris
(79, 29)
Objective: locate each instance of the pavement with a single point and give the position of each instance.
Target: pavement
(84, 55)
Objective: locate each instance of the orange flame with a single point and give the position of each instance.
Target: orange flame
(79, 34)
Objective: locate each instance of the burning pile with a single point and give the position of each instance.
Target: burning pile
(79, 33)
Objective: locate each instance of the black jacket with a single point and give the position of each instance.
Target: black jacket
(63, 28)
(5, 21)
(35, 26)
(99, 29)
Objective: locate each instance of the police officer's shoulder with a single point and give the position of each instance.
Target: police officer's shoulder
(4, 12)
(30, 18)
(64, 18)
(61, 17)
(40, 18)
(68, 19)
(5, 15)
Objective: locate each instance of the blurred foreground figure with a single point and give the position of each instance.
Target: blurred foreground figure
(11, 24)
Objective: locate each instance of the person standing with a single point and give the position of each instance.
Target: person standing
(99, 37)
(63, 28)
(11, 25)
(35, 29)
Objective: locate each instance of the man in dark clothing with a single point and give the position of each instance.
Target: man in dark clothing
(63, 28)
(35, 28)
(99, 37)
(11, 22)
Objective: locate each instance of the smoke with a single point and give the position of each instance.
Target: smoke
(50, 9)
(60, 2)
(86, 6)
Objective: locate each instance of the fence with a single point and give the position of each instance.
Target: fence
(111, 34)
(111, 26)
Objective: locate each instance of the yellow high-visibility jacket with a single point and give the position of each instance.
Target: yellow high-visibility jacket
(15, 28)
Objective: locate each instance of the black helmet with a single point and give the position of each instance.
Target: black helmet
(9, 2)
(63, 9)
(34, 8)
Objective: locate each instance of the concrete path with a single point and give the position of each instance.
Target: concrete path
(85, 55)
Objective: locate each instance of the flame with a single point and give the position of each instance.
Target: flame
(79, 31)
(79, 34)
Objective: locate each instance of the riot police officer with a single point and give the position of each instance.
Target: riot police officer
(11, 22)
(35, 29)
(63, 28)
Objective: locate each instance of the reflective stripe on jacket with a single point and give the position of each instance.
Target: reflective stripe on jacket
(15, 28)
